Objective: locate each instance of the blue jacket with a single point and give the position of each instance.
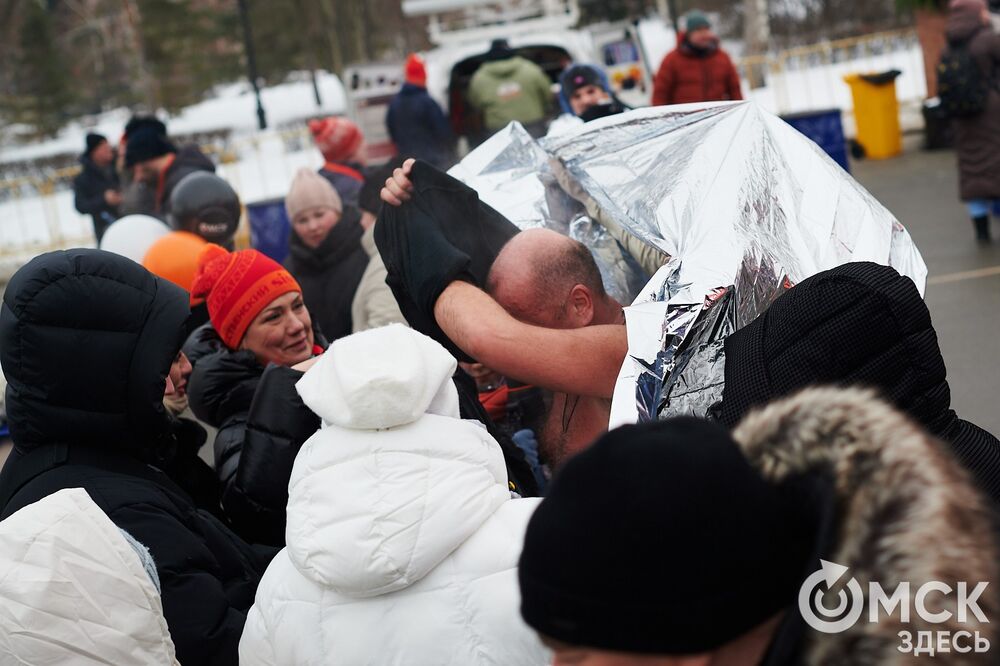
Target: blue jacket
(419, 127)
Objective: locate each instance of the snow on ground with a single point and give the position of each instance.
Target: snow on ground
(232, 108)
(32, 225)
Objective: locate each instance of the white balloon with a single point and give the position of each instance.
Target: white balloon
(132, 235)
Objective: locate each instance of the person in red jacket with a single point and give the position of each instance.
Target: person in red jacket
(698, 70)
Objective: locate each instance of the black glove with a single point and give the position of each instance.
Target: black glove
(444, 233)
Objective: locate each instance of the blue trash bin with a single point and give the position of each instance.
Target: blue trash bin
(269, 228)
(826, 130)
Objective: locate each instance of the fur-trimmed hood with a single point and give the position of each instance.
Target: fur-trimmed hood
(899, 508)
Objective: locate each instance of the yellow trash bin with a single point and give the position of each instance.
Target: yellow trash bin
(876, 113)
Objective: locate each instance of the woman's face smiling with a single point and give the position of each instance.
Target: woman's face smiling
(282, 332)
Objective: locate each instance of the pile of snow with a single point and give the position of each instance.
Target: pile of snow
(232, 108)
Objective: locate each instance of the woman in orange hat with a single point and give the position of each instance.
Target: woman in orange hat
(259, 340)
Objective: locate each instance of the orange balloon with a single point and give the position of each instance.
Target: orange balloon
(175, 257)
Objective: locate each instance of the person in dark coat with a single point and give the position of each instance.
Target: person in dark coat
(138, 198)
(246, 362)
(698, 70)
(342, 144)
(416, 123)
(96, 190)
(977, 138)
(860, 324)
(325, 252)
(584, 95)
(159, 164)
(87, 340)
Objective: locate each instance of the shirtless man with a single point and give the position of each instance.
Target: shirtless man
(546, 321)
(546, 279)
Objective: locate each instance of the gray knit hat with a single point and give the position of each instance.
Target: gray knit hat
(696, 20)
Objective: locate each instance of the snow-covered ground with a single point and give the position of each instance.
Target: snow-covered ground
(32, 225)
(267, 161)
(233, 107)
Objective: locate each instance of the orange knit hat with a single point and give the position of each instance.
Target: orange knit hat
(175, 257)
(337, 138)
(237, 286)
(416, 73)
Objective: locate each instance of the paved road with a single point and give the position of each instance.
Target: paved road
(963, 291)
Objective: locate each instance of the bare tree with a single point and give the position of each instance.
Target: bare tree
(757, 34)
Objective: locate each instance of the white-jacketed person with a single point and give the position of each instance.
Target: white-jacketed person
(402, 536)
(75, 589)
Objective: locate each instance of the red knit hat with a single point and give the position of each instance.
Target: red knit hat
(237, 286)
(416, 73)
(337, 138)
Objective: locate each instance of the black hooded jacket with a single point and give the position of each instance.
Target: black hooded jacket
(86, 341)
(330, 274)
(861, 324)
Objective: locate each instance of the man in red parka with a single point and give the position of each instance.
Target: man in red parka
(697, 70)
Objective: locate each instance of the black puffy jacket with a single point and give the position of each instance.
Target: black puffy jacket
(262, 422)
(860, 324)
(86, 340)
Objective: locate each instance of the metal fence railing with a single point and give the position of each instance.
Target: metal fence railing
(811, 77)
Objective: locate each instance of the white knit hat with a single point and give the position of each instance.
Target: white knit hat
(311, 190)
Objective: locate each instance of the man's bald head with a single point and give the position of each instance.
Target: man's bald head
(535, 272)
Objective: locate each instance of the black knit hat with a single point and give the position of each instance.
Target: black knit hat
(661, 539)
(93, 141)
(499, 50)
(577, 77)
(136, 123)
(145, 144)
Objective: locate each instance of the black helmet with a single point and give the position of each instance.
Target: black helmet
(206, 205)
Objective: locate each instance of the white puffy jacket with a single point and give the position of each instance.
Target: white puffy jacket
(73, 591)
(402, 536)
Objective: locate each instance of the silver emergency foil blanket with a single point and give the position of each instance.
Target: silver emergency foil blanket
(511, 173)
(739, 204)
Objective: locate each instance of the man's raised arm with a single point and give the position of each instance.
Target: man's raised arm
(583, 361)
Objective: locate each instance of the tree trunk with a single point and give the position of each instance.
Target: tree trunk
(331, 29)
(757, 33)
(930, 32)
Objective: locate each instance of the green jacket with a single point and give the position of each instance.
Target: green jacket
(512, 89)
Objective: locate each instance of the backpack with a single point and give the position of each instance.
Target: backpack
(963, 89)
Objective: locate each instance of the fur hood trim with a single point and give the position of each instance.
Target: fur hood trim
(904, 511)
